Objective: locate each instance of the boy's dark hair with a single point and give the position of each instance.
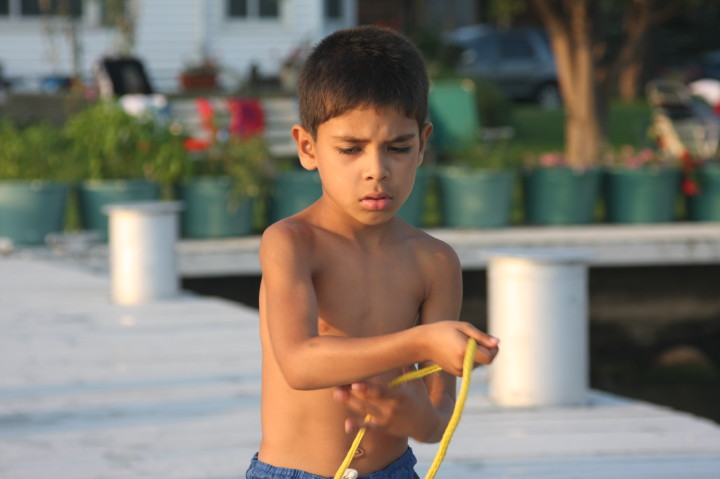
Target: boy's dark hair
(366, 65)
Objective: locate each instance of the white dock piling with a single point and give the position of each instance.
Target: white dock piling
(142, 239)
(538, 309)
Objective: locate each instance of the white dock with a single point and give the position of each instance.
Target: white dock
(607, 245)
(92, 390)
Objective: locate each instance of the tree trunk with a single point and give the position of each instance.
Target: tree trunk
(640, 16)
(629, 80)
(627, 71)
(571, 39)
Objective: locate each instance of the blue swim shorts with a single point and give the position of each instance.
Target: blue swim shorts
(402, 468)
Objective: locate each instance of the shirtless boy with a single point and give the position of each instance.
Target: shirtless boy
(352, 296)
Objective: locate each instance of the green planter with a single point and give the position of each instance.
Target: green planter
(30, 209)
(94, 195)
(414, 207)
(705, 206)
(475, 198)
(560, 195)
(645, 195)
(291, 192)
(210, 209)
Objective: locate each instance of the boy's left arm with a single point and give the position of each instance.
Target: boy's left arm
(417, 409)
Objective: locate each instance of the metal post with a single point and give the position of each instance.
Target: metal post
(142, 251)
(538, 309)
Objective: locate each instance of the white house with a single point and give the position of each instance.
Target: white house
(169, 34)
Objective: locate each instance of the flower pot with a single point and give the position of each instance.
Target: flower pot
(291, 192)
(193, 82)
(94, 195)
(560, 195)
(414, 207)
(644, 195)
(30, 209)
(475, 198)
(211, 209)
(705, 206)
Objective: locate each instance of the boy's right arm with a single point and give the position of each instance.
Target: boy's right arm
(311, 361)
(307, 359)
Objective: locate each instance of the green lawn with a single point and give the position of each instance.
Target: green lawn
(539, 131)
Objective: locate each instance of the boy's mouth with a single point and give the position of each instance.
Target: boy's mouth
(376, 202)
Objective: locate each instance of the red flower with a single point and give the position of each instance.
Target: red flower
(690, 187)
(196, 144)
(687, 161)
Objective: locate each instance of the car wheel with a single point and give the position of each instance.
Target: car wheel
(548, 97)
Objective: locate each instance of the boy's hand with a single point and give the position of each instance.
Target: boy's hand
(447, 342)
(396, 410)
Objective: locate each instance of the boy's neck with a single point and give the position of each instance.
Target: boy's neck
(347, 227)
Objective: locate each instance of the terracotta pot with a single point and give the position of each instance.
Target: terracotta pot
(198, 82)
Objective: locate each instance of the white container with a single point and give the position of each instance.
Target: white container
(537, 306)
(142, 239)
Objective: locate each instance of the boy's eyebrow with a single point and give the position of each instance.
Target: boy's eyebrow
(397, 139)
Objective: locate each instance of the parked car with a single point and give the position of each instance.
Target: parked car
(518, 60)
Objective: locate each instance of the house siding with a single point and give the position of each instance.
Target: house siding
(169, 35)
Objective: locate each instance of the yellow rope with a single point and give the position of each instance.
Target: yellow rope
(457, 412)
(452, 424)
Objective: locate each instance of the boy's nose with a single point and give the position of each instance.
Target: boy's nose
(376, 167)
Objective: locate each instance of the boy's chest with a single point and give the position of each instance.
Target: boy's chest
(362, 296)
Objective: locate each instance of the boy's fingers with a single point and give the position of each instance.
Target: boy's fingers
(483, 339)
(485, 355)
(366, 390)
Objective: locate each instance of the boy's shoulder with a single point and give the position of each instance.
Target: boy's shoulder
(429, 248)
(289, 230)
(297, 232)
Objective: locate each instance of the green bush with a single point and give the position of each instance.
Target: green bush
(113, 144)
(35, 152)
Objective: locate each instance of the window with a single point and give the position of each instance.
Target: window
(269, 8)
(515, 47)
(55, 7)
(31, 8)
(333, 9)
(237, 8)
(482, 51)
(250, 9)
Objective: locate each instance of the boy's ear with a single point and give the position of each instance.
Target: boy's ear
(305, 146)
(424, 135)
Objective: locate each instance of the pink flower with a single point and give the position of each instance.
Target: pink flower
(548, 160)
(633, 163)
(645, 156)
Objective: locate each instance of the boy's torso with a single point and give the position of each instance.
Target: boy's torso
(360, 292)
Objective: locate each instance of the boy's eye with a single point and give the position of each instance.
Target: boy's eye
(356, 149)
(399, 149)
(349, 151)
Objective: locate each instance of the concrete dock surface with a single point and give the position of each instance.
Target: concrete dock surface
(171, 389)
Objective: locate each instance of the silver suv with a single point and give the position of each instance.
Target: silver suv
(518, 60)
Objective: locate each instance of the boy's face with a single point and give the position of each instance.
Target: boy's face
(367, 159)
